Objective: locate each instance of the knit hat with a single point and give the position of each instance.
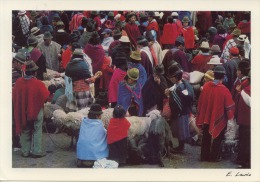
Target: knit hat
(133, 73)
(30, 66)
(21, 12)
(31, 40)
(185, 19)
(34, 30)
(215, 48)
(209, 74)
(136, 55)
(243, 65)
(234, 51)
(20, 57)
(236, 32)
(174, 70)
(219, 69)
(215, 60)
(242, 38)
(204, 45)
(47, 35)
(124, 39)
(159, 69)
(95, 109)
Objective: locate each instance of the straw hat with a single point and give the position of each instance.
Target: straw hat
(133, 73)
(215, 60)
(124, 39)
(136, 55)
(209, 75)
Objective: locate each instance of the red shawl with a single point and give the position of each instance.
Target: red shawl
(117, 129)
(154, 26)
(188, 34)
(244, 27)
(35, 54)
(199, 62)
(215, 107)
(133, 32)
(75, 22)
(169, 33)
(117, 77)
(29, 95)
(107, 72)
(65, 57)
(96, 54)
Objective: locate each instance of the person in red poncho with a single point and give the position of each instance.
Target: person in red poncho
(215, 110)
(153, 25)
(117, 133)
(132, 29)
(169, 34)
(29, 95)
(188, 33)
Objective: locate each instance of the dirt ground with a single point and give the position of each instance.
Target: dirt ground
(60, 155)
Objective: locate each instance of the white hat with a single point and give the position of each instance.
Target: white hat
(124, 39)
(78, 51)
(215, 60)
(34, 30)
(156, 13)
(242, 37)
(21, 12)
(175, 14)
(205, 45)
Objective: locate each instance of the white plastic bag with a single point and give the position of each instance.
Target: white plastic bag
(104, 163)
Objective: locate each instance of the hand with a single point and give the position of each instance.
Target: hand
(167, 92)
(238, 88)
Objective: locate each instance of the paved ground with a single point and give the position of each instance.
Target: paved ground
(59, 155)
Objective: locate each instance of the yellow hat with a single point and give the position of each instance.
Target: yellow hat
(209, 74)
(133, 73)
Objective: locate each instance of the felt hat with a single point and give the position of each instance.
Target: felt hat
(73, 37)
(129, 15)
(159, 69)
(151, 13)
(185, 19)
(78, 51)
(136, 55)
(219, 69)
(143, 15)
(209, 74)
(21, 12)
(47, 35)
(124, 39)
(34, 30)
(94, 12)
(111, 13)
(20, 57)
(107, 31)
(56, 18)
(215, 48)
(175, 14)
(117, 32)
(243, 65)
(180, 39)
(173, 70)
(242, 37)
(34, 14)
(234, 51)
(133, 73)
(141, 40)
(212, 30)
(204, 45)
(60, 23)
(215, 60)
(31, 40)
(236, 32)
(30, 66)
(95, 109)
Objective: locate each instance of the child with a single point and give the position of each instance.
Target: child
(117, 133)
(52, 89)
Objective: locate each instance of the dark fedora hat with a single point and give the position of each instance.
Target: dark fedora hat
(159, 69)
(32, 40)
(20, 57)
(95, 109)
(30, 66)
(219, 69)
(47, 35)
(174, 70)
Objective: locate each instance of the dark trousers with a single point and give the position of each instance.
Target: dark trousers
(244, 146)
(210, 151)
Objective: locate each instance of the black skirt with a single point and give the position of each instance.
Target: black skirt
(118, 151)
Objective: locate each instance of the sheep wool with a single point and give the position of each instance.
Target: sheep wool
(59, 117)
(49, 74)
(73, 120)
(49, 109)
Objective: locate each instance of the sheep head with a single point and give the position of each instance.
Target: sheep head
(154, 114)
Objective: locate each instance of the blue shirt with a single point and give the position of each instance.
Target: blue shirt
(92, 142)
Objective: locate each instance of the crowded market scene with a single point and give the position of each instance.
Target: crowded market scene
(131, 88)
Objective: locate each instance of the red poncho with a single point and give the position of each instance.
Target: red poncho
(189, 37)
(215, 107)
(133, 32)
(117, 129)
(96, 53)
(199, 62)
(169, 33)
(29, 95)
(65, 57)
(154, 26)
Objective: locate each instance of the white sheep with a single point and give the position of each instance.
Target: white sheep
(54, 81)
(49, 109)
(50, 74)
(59, 117)
(141, 125)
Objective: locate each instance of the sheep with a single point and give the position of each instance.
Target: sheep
(61, 101)
(50, 74)
(54, 81)
(49, 109)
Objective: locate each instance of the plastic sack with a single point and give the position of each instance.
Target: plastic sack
(104, 163)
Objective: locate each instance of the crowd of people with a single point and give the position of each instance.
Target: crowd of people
(134, 62)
